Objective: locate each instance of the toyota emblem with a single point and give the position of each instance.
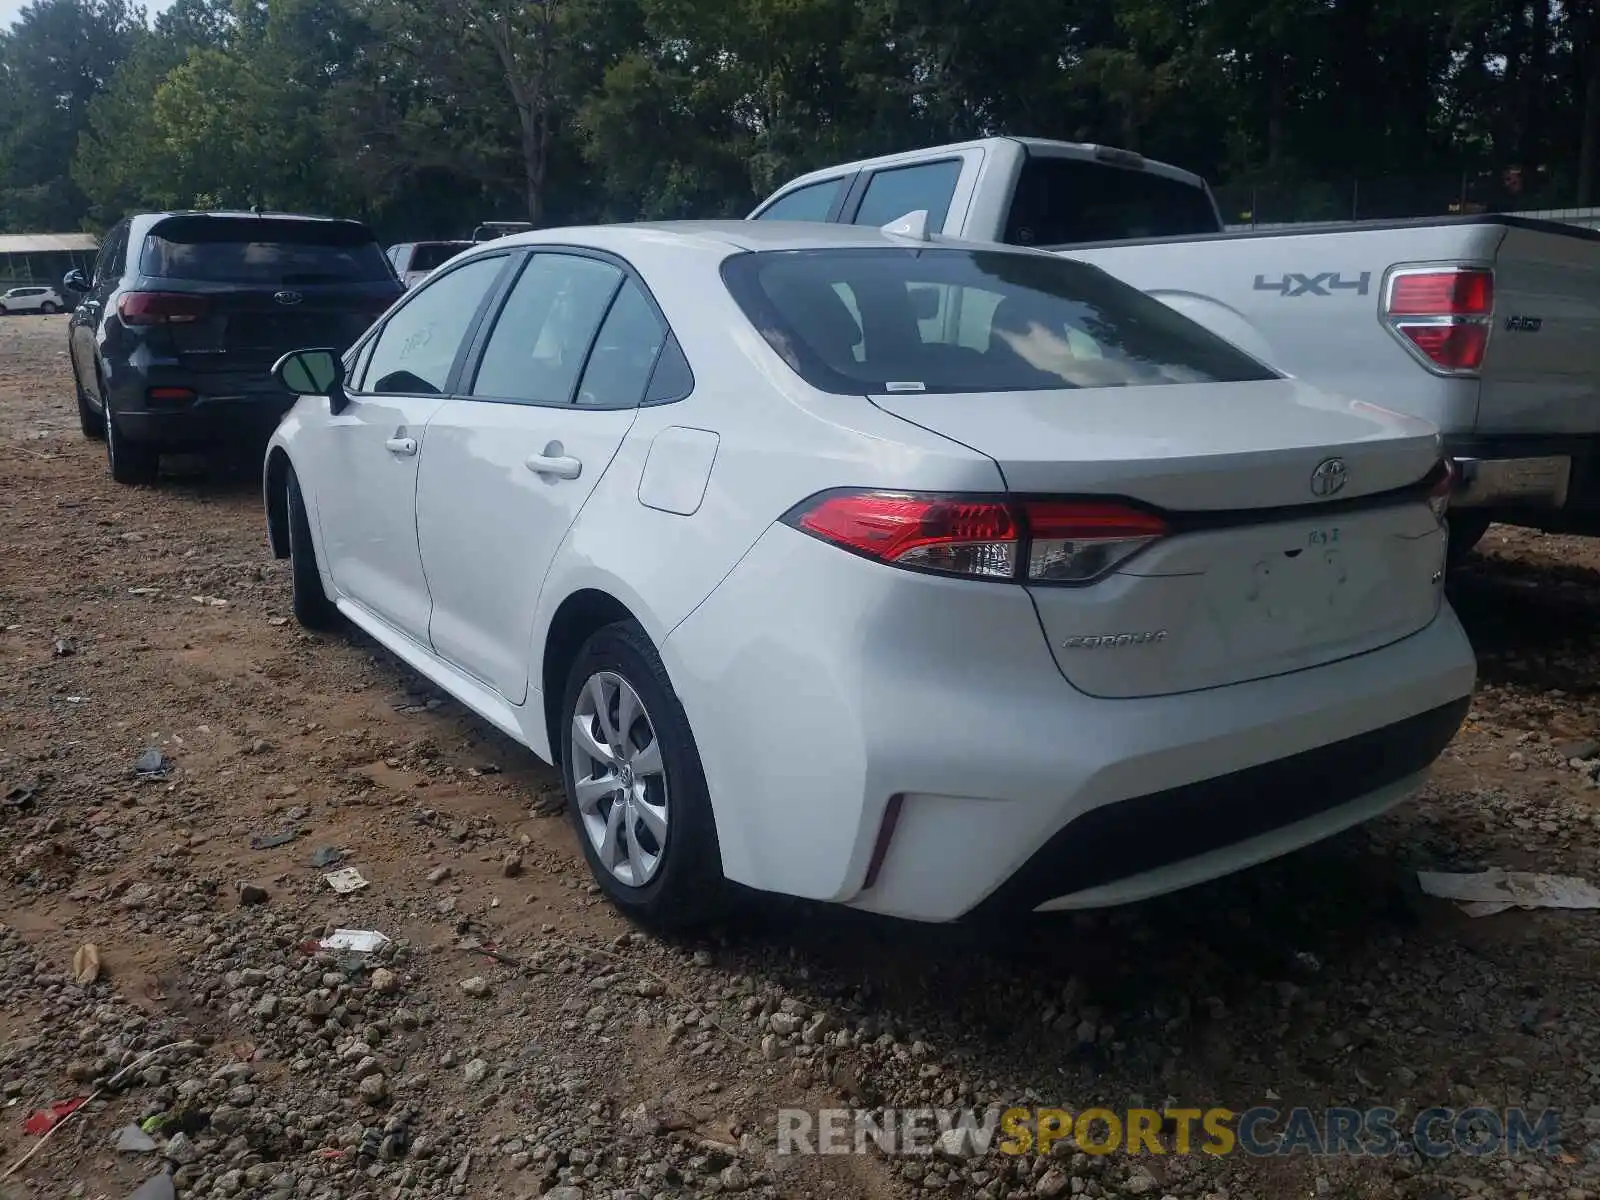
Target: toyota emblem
(288, 297)
(1328, 479)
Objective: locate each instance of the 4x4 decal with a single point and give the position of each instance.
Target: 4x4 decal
(1324, 284)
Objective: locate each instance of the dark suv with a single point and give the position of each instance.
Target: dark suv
(173, 340)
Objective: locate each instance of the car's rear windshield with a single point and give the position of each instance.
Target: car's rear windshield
(264, 251)
(1061, 201)
(958, 320)
(429, 255)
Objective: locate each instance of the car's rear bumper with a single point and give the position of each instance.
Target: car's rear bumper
(224, 409)
(822, 686)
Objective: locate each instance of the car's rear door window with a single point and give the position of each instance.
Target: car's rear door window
(541, 339)
(624, 352)
(946, 320)
(267, 251)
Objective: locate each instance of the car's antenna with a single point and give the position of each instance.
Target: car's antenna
(913, 225)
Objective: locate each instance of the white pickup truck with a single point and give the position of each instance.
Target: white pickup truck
(1488, 326)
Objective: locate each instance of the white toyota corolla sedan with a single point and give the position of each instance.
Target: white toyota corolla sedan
(924, 577)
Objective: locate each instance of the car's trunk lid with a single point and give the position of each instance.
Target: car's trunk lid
(248, 328)
(1276, 560)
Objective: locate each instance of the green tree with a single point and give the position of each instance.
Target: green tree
(57, 57)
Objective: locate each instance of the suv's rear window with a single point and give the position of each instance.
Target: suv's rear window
(429, 255)
(1060, 201)
(948, 320)
(266, 251)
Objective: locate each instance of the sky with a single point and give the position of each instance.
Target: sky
(10, 8)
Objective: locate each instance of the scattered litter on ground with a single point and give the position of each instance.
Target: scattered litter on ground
(363, 941)
(326, 856)
(65, 648)
(269, 841)
(42, 1122)
(133, 1140)
(86, 964)
(152, 764)
(345, 880)
(19, 797)
(1494, 891)
(144, 591)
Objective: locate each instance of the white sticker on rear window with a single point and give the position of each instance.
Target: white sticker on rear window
(896, 386)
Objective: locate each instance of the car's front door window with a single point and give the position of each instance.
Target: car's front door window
(417, 347)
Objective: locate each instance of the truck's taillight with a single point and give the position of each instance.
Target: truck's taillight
(981, 537)
(1442, 315)
(161, 308)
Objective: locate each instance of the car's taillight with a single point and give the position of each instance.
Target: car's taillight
(1442, 314)
(982, 537)
(1441, 483)
(161, 308)
(1074, 542)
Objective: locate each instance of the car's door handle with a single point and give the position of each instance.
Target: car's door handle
(398, 445)
(557, 466)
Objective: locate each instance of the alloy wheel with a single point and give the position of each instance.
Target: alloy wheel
(619, 780)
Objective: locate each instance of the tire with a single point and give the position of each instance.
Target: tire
(48, 308)
(90, 419)
(677, 856)
(312, 608)
(1466, 530)
(130, 462)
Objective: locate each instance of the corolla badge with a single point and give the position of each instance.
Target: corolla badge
(1114, 641)
(288, 297)
(1328, 478)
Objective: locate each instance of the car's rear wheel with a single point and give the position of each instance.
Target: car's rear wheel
(130, 462)
(635, 788)
(312, 608)
(48, 308)
(90, 418)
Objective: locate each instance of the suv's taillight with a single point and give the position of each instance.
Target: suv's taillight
(982, 537)
(1442, 315)
(161, 308)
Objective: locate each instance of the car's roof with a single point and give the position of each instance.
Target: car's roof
(740, 235)
(244, 215)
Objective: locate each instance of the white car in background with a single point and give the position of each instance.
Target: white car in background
(413, 260)
(916, 575)
(44, 300)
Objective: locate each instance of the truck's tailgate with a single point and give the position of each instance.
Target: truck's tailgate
(1541, 368)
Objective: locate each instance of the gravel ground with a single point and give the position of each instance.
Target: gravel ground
(581, 1059)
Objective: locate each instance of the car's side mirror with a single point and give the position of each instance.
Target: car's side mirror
(74, 281)
(313, 373)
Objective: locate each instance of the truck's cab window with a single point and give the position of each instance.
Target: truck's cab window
(1062, 201)
(810, 203)
(893, 193)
